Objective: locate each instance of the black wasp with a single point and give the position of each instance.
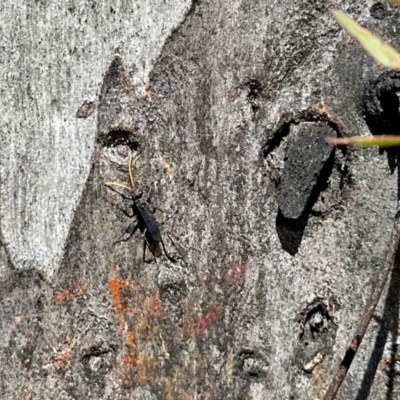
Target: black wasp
(145, 221)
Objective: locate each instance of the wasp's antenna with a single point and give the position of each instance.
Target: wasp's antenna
(131, 181)
(130, 173)
(109, 184)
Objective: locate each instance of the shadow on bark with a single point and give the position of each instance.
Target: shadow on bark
(290, 231)
(381, 110)
(390, 316)
(389, 324)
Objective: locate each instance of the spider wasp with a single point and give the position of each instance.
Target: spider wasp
(145, 221)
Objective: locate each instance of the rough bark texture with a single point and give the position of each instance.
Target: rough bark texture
(279, 239)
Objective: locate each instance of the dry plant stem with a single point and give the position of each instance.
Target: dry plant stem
(367, 315)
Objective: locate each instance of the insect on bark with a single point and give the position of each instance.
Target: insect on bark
(145, 221)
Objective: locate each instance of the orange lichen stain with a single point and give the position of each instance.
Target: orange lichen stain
(63, 295)
(115, 286)
(236, 273)
(138, 322)
(154, 305)
(203, 323)
(130, 339)
(129, 359)
(62, 361)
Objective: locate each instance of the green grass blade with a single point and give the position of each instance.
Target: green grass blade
(380, 51)
(383, 141)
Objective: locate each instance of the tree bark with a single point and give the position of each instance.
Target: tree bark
(275, 239)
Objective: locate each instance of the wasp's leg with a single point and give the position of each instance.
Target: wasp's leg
(127, 213)
(170, 258)
(132, 228)
(168, 218)
(177, 249)
(144, 250)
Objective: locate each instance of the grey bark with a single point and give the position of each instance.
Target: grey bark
(224, 106)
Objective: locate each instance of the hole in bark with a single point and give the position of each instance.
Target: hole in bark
(381, 108)
(381, 104)
(314, 321)
(121, 137)
(249, 365)
(97, 360)
(378, 11)
(316, 334)
(95, 350)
